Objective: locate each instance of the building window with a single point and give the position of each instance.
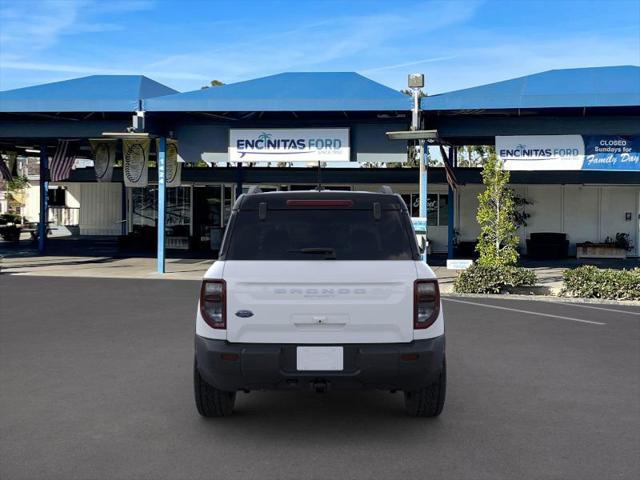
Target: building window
(144, 211)
(57, 197)
(437, 208)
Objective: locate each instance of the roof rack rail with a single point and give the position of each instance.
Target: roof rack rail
(254, 189)
(385, 189)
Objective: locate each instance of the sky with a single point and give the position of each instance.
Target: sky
(185, 44)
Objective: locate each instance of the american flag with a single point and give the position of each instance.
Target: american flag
(451, 175)
(4, 170)
(62, 161)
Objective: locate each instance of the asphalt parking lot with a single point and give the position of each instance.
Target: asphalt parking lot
(96, 383)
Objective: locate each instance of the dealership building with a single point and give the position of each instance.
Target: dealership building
(571, 139)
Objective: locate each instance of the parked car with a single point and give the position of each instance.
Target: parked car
(319, 290)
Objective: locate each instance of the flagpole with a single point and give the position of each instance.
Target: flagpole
(44, 199)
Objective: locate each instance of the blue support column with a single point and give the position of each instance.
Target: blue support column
(162, 190)
(239, 179)
(450, 207)
(423, 190)
(44, 199)
(123, 211)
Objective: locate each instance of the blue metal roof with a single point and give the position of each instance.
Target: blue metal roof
(577, 87)
(96, 93)
(307, 91)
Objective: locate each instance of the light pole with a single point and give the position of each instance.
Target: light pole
(416, 83)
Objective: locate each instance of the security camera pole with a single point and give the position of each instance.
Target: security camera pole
(416, 83)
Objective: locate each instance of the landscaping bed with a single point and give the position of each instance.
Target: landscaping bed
(592, 282)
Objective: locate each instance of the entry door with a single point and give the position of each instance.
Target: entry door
(207, 216)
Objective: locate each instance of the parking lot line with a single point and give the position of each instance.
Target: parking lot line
(579, 320)
(571, 304)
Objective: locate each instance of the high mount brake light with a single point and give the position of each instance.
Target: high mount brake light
(426, 303)
(213, 303)
(320, 203)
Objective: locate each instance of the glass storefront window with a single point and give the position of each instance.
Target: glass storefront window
(227, 205)
(437, 213)
(432, 209)
(443, 212)
(144, 214)
(178, 206)
(144, 207)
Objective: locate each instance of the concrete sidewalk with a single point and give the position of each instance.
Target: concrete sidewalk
(549, 278)
(103, 267)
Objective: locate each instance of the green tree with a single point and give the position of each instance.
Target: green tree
(474, 155)
(213, 83)
(497, 241)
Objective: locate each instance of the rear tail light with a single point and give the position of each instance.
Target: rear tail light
(213, 300)
(426, 303)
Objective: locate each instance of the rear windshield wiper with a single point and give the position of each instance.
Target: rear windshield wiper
(330, 253)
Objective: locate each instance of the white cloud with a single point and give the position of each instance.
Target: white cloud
(30, 27)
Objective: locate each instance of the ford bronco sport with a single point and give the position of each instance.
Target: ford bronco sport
(320, 290)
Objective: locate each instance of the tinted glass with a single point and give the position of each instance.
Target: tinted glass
(311, 234)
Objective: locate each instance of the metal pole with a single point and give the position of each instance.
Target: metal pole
(450, 207)
(415, 92)
(423, 191)
(162, 148)
(44, 199)
(422, 159)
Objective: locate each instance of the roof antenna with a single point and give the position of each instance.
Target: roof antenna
(319, 177)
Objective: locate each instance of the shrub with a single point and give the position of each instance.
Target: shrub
(493, 279)
(592, 282)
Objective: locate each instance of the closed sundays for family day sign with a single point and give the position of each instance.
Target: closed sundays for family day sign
(569, 152)
(289, 145)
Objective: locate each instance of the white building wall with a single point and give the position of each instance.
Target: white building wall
(615, 203)
(467, 207)
(73, 195)
(583, 212)
(100, 208)
(32, 202)
(581, 216)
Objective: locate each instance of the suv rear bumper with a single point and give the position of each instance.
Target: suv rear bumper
(254, 366)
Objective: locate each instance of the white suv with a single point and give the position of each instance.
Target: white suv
(320, 290)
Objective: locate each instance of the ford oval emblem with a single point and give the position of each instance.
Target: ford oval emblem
(244, 313)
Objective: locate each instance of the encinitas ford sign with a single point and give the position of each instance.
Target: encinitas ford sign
(541, 152)
(569, 152)
(289, 145)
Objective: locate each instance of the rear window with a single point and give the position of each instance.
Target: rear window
(314, 234)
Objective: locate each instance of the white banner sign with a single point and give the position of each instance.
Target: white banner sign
(136, 162)
(104, 157)
(289, 145)
(541, 152)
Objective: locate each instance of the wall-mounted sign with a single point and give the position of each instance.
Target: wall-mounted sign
(459, 264)
(541, 152)
(569, 152)
(289, 145)
(610, 152)
(419, 224)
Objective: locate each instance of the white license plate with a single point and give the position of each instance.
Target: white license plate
(320, 358)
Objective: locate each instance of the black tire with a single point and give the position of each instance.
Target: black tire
(210, 401)
(428, 401)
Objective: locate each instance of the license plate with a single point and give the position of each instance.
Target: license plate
(320, 358)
